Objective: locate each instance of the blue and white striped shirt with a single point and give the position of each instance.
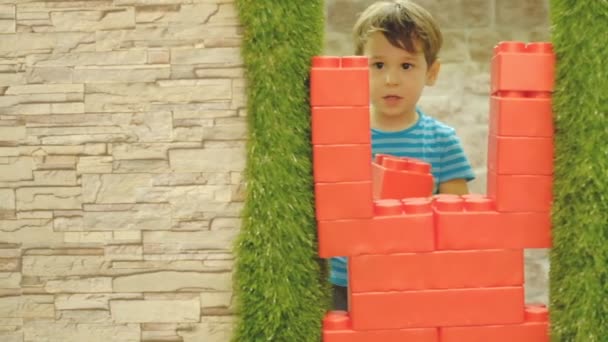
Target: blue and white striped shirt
(428, 140)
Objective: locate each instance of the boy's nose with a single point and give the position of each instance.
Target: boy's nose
(391, 79)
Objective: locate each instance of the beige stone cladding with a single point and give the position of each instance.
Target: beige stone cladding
(122, 147)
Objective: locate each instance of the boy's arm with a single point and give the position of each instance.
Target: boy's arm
(456, 186)
(455, 167)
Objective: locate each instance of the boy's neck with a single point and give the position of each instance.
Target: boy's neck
(393, 123)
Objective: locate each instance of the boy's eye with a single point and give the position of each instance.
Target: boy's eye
(378, 65)
(407, 66)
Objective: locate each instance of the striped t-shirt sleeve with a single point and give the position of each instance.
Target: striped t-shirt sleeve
(453, 163)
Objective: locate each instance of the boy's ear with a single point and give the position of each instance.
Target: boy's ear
(432, 73)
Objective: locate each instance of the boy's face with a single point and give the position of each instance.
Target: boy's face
(397, 77)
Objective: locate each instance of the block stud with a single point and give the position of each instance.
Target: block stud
(325, 62)
(510, 47)
(388, 207)
(354, 62)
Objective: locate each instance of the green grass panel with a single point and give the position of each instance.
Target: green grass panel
(280, 286)
(579, 258)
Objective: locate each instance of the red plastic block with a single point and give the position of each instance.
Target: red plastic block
(534, 64)
(520, 156)
(456, 216)
(411, 231)
(405, 227)
(527, 332)
(337, 328)
(521, 116)
(515, 193)
(476, 225)
(340, 125)
(346, 237)
(530, 331)
(338, 81)
(348, 200)
(342, 163)
(436, 270)
(399, 177)
(536, 313)
(433, 308)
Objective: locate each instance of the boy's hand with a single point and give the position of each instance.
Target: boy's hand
(454, 186)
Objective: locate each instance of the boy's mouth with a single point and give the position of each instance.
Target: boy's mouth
(392, 97)
(392, 100)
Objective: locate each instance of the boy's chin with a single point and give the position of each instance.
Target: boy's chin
(395, 113)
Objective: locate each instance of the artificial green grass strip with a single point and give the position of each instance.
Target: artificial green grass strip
(579, 258)
(281, 293)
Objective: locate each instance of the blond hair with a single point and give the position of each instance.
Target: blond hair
(403, 23)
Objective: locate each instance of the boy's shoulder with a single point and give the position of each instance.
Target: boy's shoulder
(434, 126)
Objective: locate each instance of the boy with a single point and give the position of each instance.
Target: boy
(402, 40)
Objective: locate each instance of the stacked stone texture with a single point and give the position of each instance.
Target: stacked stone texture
(122, 134)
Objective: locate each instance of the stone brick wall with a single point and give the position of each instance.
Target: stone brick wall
(122, 128)
(460, 98)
